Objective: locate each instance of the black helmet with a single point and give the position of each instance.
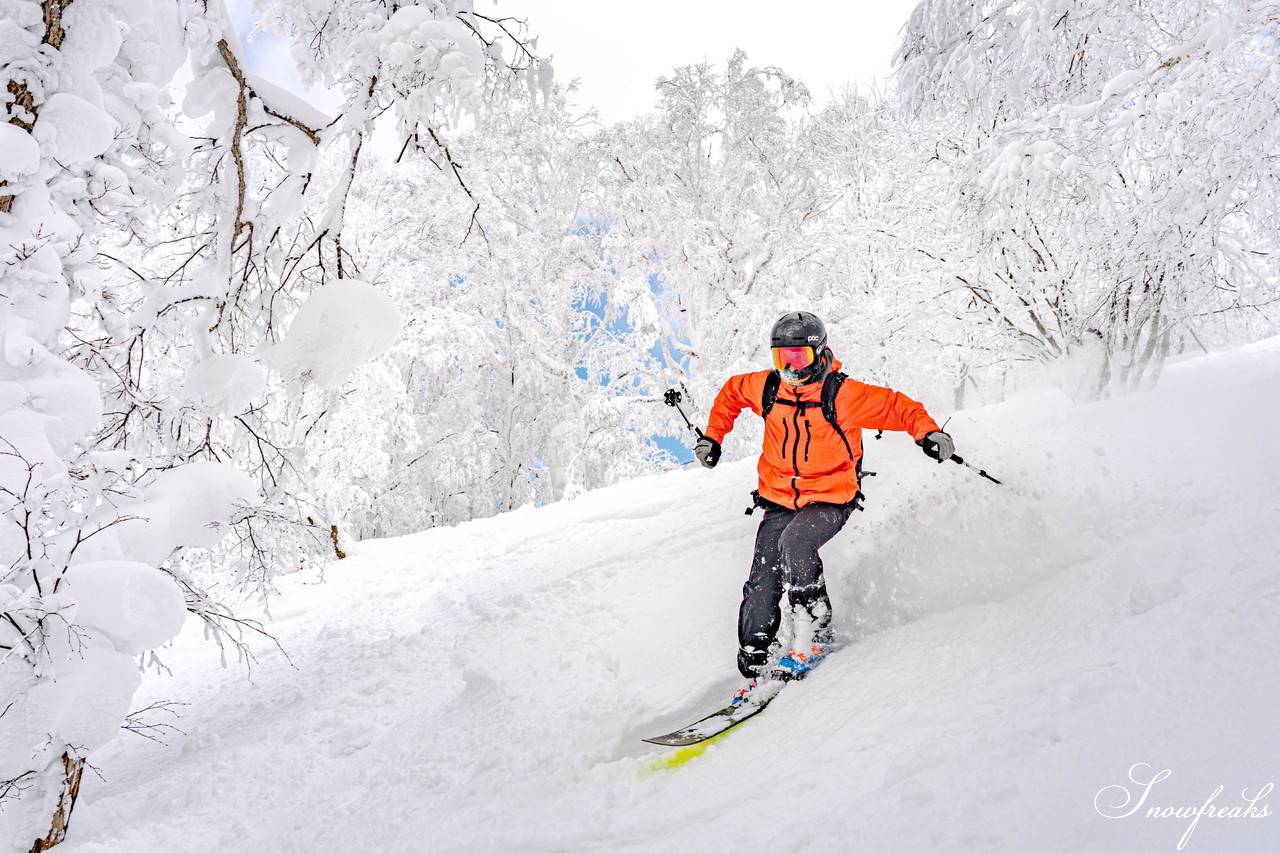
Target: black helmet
(801, 329)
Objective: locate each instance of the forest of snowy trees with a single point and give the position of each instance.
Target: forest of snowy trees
(236, 338)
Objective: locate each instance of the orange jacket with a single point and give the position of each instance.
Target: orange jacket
(803, 459)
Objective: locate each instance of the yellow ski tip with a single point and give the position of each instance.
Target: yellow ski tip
(652, 764)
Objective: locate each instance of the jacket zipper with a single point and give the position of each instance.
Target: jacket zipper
(795, 451)
(808, 438)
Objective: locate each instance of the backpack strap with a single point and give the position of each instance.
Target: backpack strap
(830, 388)
(772, 383)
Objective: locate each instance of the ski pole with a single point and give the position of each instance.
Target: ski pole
(960, 461)
(672, 398)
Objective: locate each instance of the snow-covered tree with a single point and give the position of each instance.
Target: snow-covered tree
(239, 253)
(885, 250)
(83, 530)
(1110, 210)
(176, 316)
(711, 204)
(520, 377)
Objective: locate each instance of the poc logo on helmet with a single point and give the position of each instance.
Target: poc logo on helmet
(813, 339)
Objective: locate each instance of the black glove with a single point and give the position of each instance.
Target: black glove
(938, 445)
(708, 451)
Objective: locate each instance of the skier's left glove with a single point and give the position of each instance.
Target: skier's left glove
(938, 445)
(708, 451)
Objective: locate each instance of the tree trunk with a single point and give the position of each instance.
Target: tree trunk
(73, 768)
(23, 99)
(958, 390)
(337, 549)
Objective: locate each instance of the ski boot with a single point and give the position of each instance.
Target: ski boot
(795, 664)
(744, 692)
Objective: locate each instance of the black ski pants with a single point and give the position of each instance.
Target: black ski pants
(786, 559)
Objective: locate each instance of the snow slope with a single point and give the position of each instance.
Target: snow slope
(1016, 651)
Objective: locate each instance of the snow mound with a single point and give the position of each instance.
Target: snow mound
(136, 606)
(87, 699)
(213, 92)
(19, 153)
(191, 506)
(340, 326)
(71, 129)
(228, 383)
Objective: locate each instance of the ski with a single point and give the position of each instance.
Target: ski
(724, 719)
(791, 668)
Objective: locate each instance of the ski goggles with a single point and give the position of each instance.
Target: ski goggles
(793, 358)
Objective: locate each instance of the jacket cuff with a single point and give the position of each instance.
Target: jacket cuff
(923, 433)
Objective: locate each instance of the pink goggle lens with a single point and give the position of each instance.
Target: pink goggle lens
(793, 358)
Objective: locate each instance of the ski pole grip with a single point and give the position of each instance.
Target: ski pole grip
(672, 398)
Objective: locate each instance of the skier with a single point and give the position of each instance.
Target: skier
(809, 469)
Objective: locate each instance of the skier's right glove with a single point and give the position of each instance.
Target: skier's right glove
(938, 445)
(708, 451)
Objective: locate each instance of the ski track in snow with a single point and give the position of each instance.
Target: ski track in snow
(1014, 651)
